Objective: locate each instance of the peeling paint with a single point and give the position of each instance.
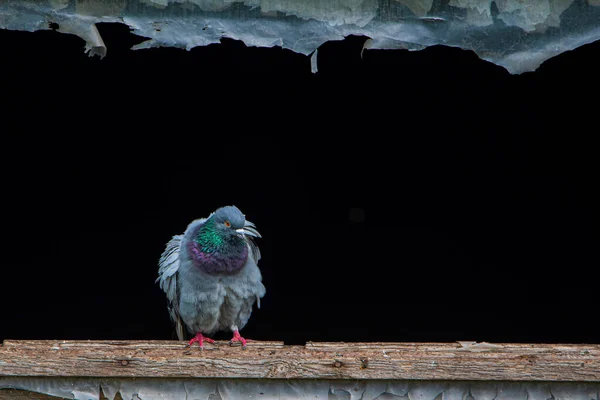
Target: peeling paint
(518, 37)
(205, 389)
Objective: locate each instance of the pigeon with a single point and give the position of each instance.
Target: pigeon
(210, 276)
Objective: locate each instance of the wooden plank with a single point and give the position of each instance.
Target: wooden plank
(273, 360)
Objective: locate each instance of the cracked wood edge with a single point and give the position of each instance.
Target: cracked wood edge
(273, 360)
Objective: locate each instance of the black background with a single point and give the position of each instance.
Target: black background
(477, 188)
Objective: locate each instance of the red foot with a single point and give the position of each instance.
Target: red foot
(237, 338)
(200, 339)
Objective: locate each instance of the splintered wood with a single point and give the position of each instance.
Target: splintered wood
(273, 360)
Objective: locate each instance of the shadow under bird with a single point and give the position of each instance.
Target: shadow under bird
(211, 277)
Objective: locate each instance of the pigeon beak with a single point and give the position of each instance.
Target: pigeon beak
(249, 229)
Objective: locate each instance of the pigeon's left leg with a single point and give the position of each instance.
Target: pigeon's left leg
(200, 339)
(238, 338)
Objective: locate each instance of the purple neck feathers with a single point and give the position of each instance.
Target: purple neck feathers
(216, 262)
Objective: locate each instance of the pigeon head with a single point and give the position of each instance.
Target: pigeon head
(229, 218)
(231, 221)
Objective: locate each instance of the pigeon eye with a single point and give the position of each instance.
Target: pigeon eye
(227, 223)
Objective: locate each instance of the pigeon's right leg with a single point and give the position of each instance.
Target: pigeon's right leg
(200, 339)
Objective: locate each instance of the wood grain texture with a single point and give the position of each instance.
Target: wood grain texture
(273, 360)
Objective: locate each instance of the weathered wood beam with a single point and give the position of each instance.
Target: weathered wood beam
(273, 360)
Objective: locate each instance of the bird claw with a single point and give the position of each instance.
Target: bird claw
(200, 339)
(237, 338)
(232, 343)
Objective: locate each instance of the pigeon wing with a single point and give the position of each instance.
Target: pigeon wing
(168, 266)
(251, 228)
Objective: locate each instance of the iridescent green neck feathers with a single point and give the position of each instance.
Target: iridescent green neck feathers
(209, 239)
